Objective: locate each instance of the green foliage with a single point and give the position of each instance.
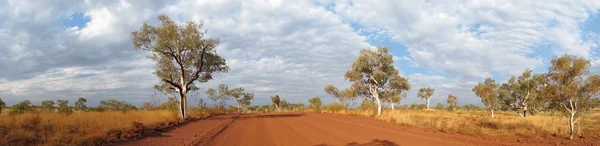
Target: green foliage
(342, 97)
(315, 104)
(114, 104)
(487, 91)
(334, 107)
(276, 101)
(472, 107)
(426, 93)
(63, 107)
(451, 102)
(80, 104)
(439, 106)
(2, 105)
(416, 106)
(24, 106)
(47, 106)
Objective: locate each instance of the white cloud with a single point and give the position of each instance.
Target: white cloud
(273, 47)
(477, 38)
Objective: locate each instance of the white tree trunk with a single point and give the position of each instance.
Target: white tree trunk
(492, 114)
(378, 105)
(571, 125)
(393, 106)
(428, 99)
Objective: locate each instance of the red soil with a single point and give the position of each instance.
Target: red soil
(287, 129)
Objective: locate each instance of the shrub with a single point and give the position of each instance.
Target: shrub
(315, 104)
(63, 107)
(334, 107)
(24, 106)
(47, 105)
(114, 104)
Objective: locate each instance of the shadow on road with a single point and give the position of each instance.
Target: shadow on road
(253, 116)
(275, 115)
(374, 142)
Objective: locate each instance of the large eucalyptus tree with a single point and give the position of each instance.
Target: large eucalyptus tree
(182, 55)
(374, 76)
(572, 87)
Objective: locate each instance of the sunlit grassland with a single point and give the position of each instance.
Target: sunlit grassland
(544, 125)
(80, 128)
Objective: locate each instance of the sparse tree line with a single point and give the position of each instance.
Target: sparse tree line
(568, 87)
(62, 106)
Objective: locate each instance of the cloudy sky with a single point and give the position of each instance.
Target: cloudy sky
(67, 49)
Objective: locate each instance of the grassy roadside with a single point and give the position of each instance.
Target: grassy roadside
(546, 125)
(86, 128)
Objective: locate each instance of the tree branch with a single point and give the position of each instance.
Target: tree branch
(197, 74)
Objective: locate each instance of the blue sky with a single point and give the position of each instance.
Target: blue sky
(292, 49)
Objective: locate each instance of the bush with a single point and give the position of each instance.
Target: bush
(334, 107)
(439, 106)
(63, 107)
(22, 107)
(116, 105)
(416, 106)
(472, 107)
(315, 104)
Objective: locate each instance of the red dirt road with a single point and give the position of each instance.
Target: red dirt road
(288, 129)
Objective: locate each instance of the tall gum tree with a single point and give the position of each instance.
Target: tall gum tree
(571, 87)
(525, 90)
(487, 91)
(373, 75)
(182, 55)
(426, 93)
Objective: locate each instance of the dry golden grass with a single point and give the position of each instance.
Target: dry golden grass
(478, 122)
(86, 128)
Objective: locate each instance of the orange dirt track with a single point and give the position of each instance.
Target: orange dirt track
(306, 129)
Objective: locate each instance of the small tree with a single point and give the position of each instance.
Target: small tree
(342, 97)
(47, 106)
(426, 93)
(525, 90)
(201, 103)
(80, 104)
(182, 55)
(572, 87)
(63, 107)
(276, 102)
(451, 102)
(242, 99)
(373, 74)
(223, 95)
(315, 104)
(2, 105)
(439, 106)
(487, 92)
(24, 106)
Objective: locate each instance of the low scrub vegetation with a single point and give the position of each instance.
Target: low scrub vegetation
(28, 124)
